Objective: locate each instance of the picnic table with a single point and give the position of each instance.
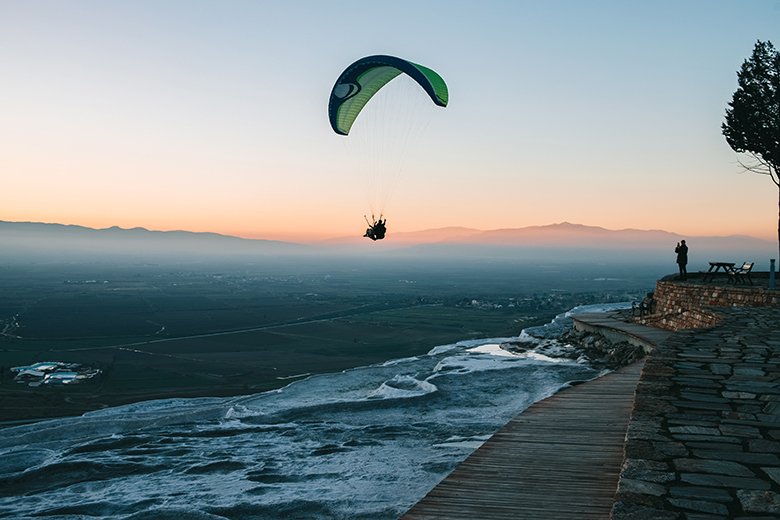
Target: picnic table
(715, 267)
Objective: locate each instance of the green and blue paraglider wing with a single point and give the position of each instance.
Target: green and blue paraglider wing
(364, 78)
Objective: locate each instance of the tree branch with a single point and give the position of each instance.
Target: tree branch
(760, 167)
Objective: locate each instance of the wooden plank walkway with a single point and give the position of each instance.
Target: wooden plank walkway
(559, 459)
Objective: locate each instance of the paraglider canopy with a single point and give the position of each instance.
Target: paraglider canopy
(354, 88)
(364, 78)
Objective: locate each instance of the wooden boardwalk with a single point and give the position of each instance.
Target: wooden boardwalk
(559, 459)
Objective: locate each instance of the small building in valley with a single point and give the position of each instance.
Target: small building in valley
(53, 373)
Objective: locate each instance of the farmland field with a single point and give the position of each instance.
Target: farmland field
(159, 331)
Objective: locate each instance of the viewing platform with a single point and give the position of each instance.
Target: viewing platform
(692, 432)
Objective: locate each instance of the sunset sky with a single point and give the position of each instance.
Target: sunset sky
(212, 115)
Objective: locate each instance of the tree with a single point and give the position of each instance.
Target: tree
(752, 123)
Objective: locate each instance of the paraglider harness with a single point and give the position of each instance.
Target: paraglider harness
(377, 229)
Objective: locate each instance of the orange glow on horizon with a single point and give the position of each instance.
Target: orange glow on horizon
(299, 231)
(100, 130)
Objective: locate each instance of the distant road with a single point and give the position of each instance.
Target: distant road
(361, 309)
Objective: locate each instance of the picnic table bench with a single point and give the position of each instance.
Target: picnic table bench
(736, 275)
(741, 274)
(640, 308)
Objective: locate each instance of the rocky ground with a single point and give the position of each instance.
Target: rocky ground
(585, 347)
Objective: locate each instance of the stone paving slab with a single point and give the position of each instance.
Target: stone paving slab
(605, 323)
(704, 436)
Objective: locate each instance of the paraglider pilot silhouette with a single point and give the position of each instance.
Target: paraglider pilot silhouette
(377, 229)
(358, 84)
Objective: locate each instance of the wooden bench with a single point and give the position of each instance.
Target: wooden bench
(643, 307)
(741, 274)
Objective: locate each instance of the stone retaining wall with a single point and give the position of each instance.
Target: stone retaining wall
(690, 305)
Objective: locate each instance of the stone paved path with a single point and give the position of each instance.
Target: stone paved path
(612, 325)
(703, 442)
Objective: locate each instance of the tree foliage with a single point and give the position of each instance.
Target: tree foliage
(752, 124)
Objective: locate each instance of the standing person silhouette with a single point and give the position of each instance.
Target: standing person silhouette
(682, 258)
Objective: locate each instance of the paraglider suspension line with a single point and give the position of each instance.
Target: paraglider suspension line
(373, 219)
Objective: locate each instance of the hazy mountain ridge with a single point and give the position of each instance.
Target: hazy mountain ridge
(568, 234)
(567, 242)
(550, 234)
(76, 230)
(67, 240)
(553, 240)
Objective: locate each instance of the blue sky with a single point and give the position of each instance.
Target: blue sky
(211, 116)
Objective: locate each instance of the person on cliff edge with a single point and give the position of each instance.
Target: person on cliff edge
(682, 258)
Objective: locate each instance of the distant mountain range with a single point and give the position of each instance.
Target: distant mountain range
(554, 240)
(53, 240)
(578, 235)
(566, 235)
